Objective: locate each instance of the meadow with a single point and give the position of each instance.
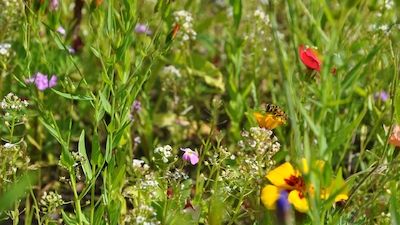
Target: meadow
(212, 112)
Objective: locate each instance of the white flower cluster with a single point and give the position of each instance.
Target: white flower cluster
(262, 142)
(220, 156)
(51, 201)
(5, 49)
(389, 4)
(176, 175)
(140, 165)
(142, 215)
(149, 182)
(165, 152)
(185, 20)
(14, 159)
(13, 102)
(261, 17)
(11, 11)
(171, 70)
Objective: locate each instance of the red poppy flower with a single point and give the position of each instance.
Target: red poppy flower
(309, 57)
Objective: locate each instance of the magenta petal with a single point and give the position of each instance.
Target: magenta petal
(186, 157)
(194, 159)
(52, 81)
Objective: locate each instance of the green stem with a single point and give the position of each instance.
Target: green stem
(76, 199)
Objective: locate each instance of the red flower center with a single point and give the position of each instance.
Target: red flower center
(297, 183)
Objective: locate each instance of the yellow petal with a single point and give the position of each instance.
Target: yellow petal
(319, 165)
(269, 121)
(278, 175)
(304, 165)
(299, 203)
(260, 119)
(341, 197)
(269, 196)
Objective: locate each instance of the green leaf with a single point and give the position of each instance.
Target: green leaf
(95, 52)
(209, 73)
(98, 215)
(69, 220)
(96, 156)
(237, 11)
(16, 190)
(108, 148)
(66, 159)
(73, 97)
(104, 103)
(85, 164)
(394, 204)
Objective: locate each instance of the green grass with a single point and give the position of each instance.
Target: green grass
(198, 85)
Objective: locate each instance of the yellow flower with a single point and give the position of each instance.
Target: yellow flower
(338, 188)
(272, 118)
(285, 177)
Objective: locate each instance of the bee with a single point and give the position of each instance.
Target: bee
(272, 118)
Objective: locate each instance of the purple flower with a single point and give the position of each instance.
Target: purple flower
(142, 29)
(61, 30)
(54, 5)
(382, 95)
(136, 106)
(71, 50)
(42, 81)
(283, 207)
(190, 156)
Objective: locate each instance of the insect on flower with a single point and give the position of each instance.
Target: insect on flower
(310, 58)
(175, 30)
(273, 117)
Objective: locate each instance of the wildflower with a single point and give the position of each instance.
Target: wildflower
(190, 156)
(42, 81)
(309, 57)
(137, 163)
(286, 178)
(11, 102)
(395, 136)
(142, 29)
(272, 118)
(163, 153)
(61, 31)
(50, 202)
(53, 5)
(135, 108)
(261, 17)
(184, 22)
(382, 95)
(5, 49)
(283, 206)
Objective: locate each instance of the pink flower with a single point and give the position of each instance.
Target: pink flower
(61, 31)
(395, 136)
(54, 5)
(42, 81)
(190, 156)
